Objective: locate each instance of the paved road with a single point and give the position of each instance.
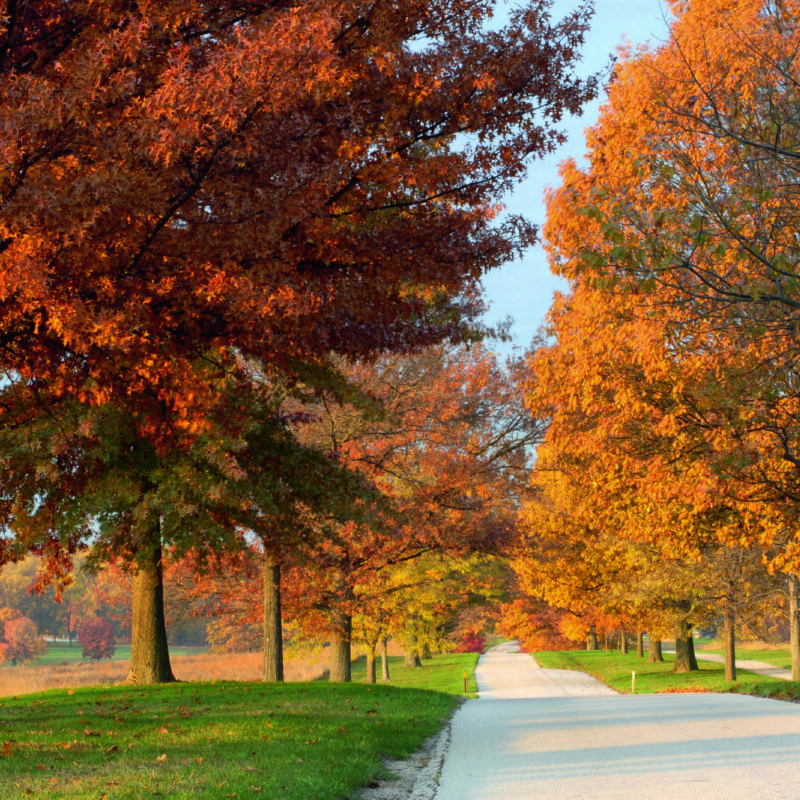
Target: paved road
(539, 734)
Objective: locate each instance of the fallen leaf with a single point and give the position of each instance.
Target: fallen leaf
(162, 757)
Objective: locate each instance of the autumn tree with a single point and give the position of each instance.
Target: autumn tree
(688, 211)
(444, 438)
(96, 638)
(19, 639)
(190, 189)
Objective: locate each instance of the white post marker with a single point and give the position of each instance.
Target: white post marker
(633, 682)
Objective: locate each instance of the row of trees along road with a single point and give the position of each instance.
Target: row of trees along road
(205, 207)
(670, 475)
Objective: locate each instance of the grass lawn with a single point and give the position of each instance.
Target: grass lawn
(444, 674)
(615, 669)
(778, 657)
(61, 652)
(301, 741)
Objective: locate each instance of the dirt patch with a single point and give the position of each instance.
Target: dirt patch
(417, 778)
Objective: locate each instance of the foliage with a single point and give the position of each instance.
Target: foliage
(201, 204)
(19, 638)
(668, 478)
(97, 639)
(471, 643)
(537, 625)
(443, 436)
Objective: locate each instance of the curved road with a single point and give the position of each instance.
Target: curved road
(537, 734)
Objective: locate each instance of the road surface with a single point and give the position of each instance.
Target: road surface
(537, 734)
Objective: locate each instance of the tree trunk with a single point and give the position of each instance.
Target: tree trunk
(340, 647)
(623, 642)
(640, 644)
(591, 640)
(425, 651)
(149, 650)
(794, 624)
(385, 660)
(654, 654)
(371, 672)
(729, 614)
(685, 660)
(411, 650)
(273, 630)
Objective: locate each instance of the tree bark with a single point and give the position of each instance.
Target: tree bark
(385, 660)
(591, 640)
(685, 660)
(794, 624)
(273, 629)
(371, 671)
(729, 616)
(425, 651)
(654, 654)
(640, 644)
(623, 641)
(340, 671)
(149, 650)
(411, 650)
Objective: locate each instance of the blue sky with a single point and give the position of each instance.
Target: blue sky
(523, 289)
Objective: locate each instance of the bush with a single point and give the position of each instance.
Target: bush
(20, 642)
(96, 638)
(471, 643)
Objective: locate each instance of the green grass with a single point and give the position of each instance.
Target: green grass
(61, 652)
(614, 669)
(445, 673)
(303, 741)
(778, 657)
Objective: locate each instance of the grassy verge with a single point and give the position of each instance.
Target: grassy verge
(307, 741)
(445, 673)
(778, 657)
(614, 669)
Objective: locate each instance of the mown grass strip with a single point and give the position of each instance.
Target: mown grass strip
(305, 741)
(614, 669)
(778, 657)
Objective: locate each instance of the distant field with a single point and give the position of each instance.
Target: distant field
(64, 653)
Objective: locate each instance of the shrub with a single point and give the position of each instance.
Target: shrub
(19, 642)
(471, 643)
(96, 638)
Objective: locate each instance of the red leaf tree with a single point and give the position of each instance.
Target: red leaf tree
(97, 639)
(200, 199)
